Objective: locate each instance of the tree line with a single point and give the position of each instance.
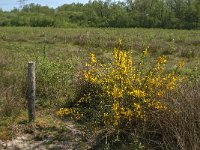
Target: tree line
(175, 14)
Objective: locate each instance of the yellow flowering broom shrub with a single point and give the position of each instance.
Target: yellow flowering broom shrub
(124, 90)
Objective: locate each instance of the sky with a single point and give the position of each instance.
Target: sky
(7, 5)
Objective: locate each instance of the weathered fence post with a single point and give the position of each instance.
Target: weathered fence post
(31, 91)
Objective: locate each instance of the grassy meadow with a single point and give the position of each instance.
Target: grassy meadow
(60, 55)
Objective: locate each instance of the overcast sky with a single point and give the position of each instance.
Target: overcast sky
(10, 4)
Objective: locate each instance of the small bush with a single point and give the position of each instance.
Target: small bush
(53, 78)
(123, 93)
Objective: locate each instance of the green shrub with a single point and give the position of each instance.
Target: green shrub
(53, 78)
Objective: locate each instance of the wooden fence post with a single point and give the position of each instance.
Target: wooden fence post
(31, 91)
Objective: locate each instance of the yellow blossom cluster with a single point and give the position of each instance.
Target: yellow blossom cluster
(69, 111)
(127, 88)
(64, 111)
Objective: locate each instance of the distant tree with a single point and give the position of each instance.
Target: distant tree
(108, 13)
(21, 3)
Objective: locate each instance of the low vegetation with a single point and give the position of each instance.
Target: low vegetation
(144, 94)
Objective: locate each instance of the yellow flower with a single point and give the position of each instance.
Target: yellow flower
(137, 93)
(160, 93)
(115, 123)
(180, 64)
(117, 93)
(115, 106)
(158, 105)
(92, 57)
(87, 64)
(145, 52)
(63, 111)
(137, 106)
(162, 59)
(128, 114)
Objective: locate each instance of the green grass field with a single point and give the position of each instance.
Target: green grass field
(59, 55)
